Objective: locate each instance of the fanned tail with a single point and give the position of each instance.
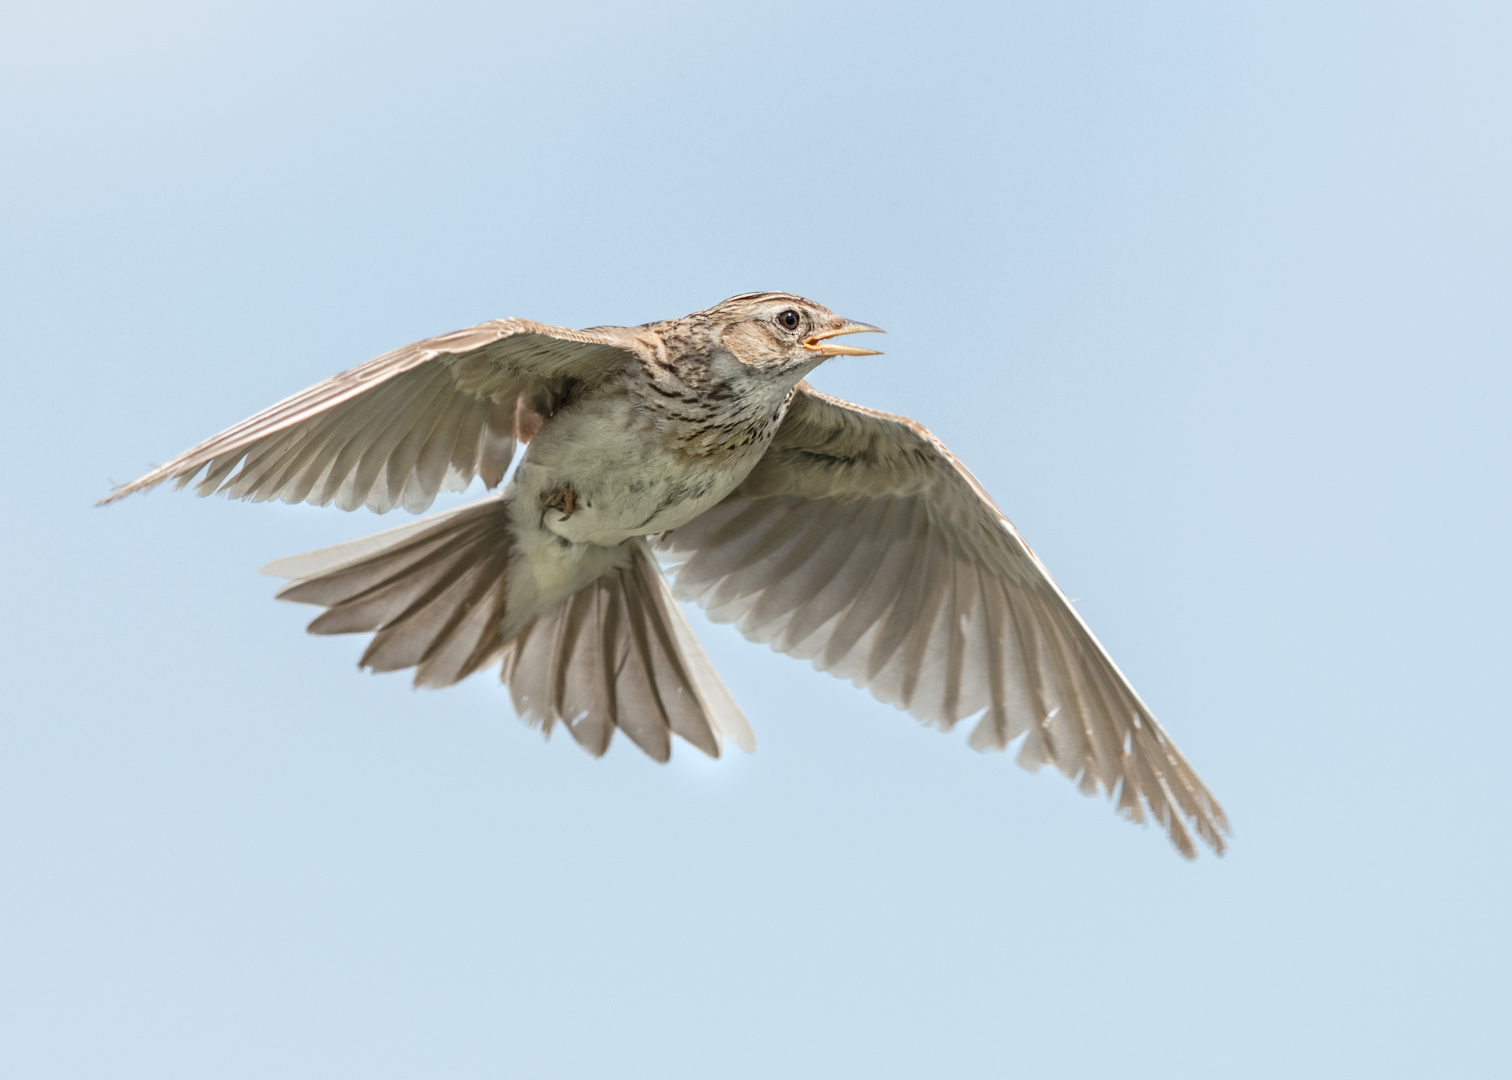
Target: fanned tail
(620, 653)
(617, 653)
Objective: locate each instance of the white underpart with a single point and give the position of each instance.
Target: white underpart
(628, 482)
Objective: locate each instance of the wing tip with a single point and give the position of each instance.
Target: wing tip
(120, 491)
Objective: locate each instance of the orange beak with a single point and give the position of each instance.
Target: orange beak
(813, 342)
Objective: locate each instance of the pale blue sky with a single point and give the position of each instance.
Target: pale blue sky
(1214, 299)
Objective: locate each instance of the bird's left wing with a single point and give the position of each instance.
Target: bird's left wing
(860, 543)
(401, 427)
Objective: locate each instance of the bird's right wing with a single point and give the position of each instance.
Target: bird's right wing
(399, 428)
(860, 543)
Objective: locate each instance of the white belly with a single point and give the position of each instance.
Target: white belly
(626, 481)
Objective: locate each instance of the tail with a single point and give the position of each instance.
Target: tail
(618, 653)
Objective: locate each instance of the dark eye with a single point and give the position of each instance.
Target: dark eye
(789, 319)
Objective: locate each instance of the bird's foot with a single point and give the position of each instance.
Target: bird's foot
(564, 499)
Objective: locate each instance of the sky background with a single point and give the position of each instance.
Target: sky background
(1214, 299)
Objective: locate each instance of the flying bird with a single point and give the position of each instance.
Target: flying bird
(849, 537)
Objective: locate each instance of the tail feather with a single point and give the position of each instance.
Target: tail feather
(620, 653)
(434, 597)
(617, 653)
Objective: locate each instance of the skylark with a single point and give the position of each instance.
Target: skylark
(845, 536)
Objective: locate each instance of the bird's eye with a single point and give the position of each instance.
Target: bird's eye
(789, 319)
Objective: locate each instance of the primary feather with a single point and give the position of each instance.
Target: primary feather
(859, 543)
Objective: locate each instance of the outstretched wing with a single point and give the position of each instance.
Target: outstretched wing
(861, 544)
(399, 428)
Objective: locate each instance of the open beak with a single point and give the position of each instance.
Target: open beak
(813, 343)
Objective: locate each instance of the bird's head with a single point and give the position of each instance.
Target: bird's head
(782, 333)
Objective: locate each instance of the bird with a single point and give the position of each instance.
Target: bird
(831, 532)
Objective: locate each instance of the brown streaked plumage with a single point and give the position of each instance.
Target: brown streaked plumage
(849, 537)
